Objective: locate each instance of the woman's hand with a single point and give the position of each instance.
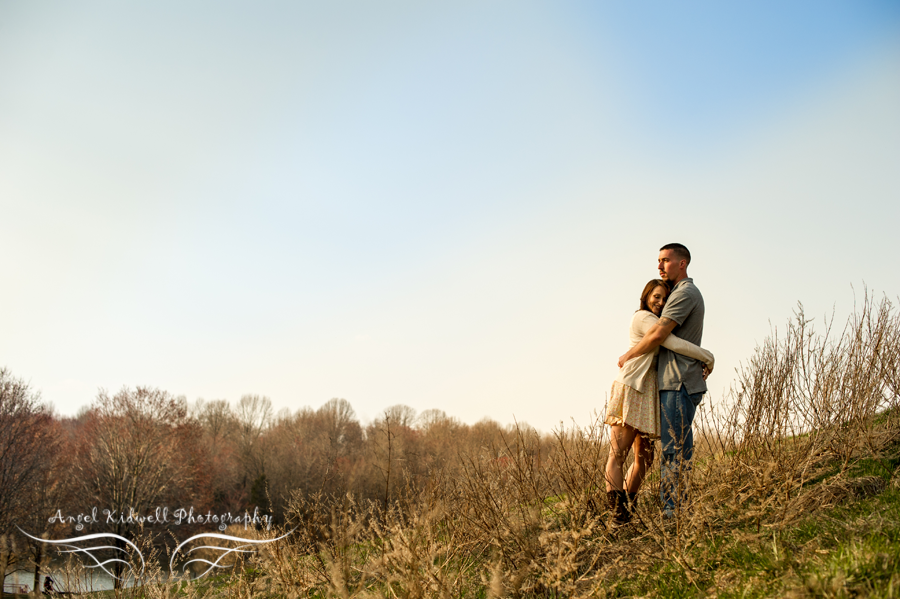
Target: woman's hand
(708, 366)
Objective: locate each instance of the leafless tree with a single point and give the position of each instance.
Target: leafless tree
(430, 418)
(216, 418)
(138, 449)
(339, 424)
(29, 449)
(220, 440)
(24, 434)
(401, 415)
(394, 448)
(253, 415)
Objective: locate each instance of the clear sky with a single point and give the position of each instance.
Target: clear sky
(446, 205)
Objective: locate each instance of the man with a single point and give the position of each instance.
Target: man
(682, 380)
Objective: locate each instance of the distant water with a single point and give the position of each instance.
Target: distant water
(65, 579)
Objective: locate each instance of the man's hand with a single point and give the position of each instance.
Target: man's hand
(654, 337)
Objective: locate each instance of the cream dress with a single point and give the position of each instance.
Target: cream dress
(634, 399)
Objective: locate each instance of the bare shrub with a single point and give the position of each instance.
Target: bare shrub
(807, 398)
(515, 513)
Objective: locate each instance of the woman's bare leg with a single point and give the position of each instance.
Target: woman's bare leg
(643, 460)
(621, 438)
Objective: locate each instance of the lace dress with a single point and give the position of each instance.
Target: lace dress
(638, 408)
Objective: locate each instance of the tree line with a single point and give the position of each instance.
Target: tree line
(129, 455)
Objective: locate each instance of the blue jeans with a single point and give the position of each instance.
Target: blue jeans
(676, 415)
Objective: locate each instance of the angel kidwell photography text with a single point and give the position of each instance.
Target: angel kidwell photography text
(162, 515)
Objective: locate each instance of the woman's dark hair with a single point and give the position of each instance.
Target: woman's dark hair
(648, 289)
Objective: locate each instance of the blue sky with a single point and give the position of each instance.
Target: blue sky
(449, 206)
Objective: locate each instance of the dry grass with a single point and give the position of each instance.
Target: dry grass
(811, 428)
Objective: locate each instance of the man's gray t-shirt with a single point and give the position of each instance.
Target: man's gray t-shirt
(685, 307)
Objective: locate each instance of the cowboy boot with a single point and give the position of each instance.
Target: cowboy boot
(612, 498)
(632, 503)
(618, 507)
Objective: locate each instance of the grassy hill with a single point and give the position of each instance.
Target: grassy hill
(795, 492)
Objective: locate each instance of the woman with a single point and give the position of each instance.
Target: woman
(633, 408)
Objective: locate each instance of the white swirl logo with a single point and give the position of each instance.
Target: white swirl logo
(226, 550)
(69, 546)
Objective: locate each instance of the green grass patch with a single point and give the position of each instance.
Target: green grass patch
(852, 550)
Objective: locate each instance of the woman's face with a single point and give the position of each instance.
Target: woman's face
(656, 300)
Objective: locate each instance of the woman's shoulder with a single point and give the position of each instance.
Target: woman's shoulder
(641, 315)
(642, 319)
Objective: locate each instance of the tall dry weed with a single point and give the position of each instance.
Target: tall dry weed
(518, 519)
(807, 399)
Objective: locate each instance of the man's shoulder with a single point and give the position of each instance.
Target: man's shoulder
(686, 287)
(683, 301)
(686, 284)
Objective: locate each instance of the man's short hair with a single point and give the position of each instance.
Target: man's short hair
(679, 250)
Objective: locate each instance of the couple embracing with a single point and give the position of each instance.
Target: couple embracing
(661, 381)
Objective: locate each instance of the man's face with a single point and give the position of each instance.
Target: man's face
(669, 265)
